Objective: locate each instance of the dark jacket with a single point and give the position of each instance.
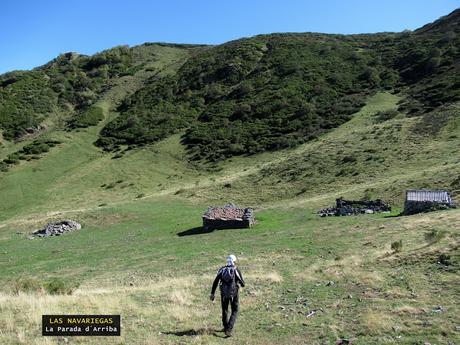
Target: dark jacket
(238, 277)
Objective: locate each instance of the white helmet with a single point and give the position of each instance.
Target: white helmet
(231, 259)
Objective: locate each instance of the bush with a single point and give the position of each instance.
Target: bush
(382, 116)
(396, 246)
(53, 286)
(35, 148)
(445, 259)
(349, 159)
(433, 236)
(90, 117)
(57, 286)
(3, 166)
(27, 285)
(12, 158)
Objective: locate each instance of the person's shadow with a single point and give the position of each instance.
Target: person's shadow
(195, 332)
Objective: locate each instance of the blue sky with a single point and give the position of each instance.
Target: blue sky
(34, 32)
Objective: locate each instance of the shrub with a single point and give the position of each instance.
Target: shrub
(27, 284)
(396, 246)
(3, 166)
(382, 116)
(349, 159)
(444, 259)
(434, 236)
(35, 148)
(90, 117)
(12, 159)
(57, 286)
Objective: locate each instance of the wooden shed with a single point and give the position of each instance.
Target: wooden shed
(418, 201)
(228, 217)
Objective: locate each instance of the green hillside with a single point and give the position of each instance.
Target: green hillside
(277, 91)
(135, 142)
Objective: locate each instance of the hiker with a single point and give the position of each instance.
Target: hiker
(229, 277)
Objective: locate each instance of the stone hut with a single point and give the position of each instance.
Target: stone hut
(418, 201)
(228, 217)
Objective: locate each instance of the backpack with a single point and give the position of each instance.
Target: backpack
(228, 288)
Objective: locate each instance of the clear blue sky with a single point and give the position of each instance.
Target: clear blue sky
(35, 31)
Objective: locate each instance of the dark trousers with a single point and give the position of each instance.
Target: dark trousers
(233, 301)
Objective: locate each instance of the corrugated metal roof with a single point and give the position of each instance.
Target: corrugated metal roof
(428, 195)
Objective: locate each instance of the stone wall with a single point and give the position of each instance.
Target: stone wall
(414, 207)
(345, 207)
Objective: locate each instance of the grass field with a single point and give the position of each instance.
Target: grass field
(149, 262)
(141, 252)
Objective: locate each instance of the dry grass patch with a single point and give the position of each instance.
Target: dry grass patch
(271, 277)
(21, 314)
(410, 310)
(376, 322)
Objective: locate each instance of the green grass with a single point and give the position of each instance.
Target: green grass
(132, 254)
(130, 259)
(141, 252)
(360, 158)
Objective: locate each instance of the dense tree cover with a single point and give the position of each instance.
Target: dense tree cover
(25, 100)
(246, 96)
(251, 95)
(70, 83)
(276, 91)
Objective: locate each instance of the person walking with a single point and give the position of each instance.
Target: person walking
(230, 278)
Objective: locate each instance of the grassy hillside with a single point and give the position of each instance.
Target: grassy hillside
(277, 91)
(146, 62)
(72, 82)
(142, 253)
(352, 116)
(147, 261)
(368, 157)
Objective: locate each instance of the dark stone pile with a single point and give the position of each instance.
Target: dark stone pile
(229, 216)
(57, 229)
(354, 207)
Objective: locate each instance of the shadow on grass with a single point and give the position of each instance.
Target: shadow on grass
(195, 332)
(194, 231)
(393, 215)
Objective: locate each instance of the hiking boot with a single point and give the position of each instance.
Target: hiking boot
(228, 332)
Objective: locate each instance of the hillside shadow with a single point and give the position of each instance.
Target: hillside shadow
(195, 332)
(194, 231)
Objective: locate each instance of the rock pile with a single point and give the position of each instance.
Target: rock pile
(57, 229)
(354, 207)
